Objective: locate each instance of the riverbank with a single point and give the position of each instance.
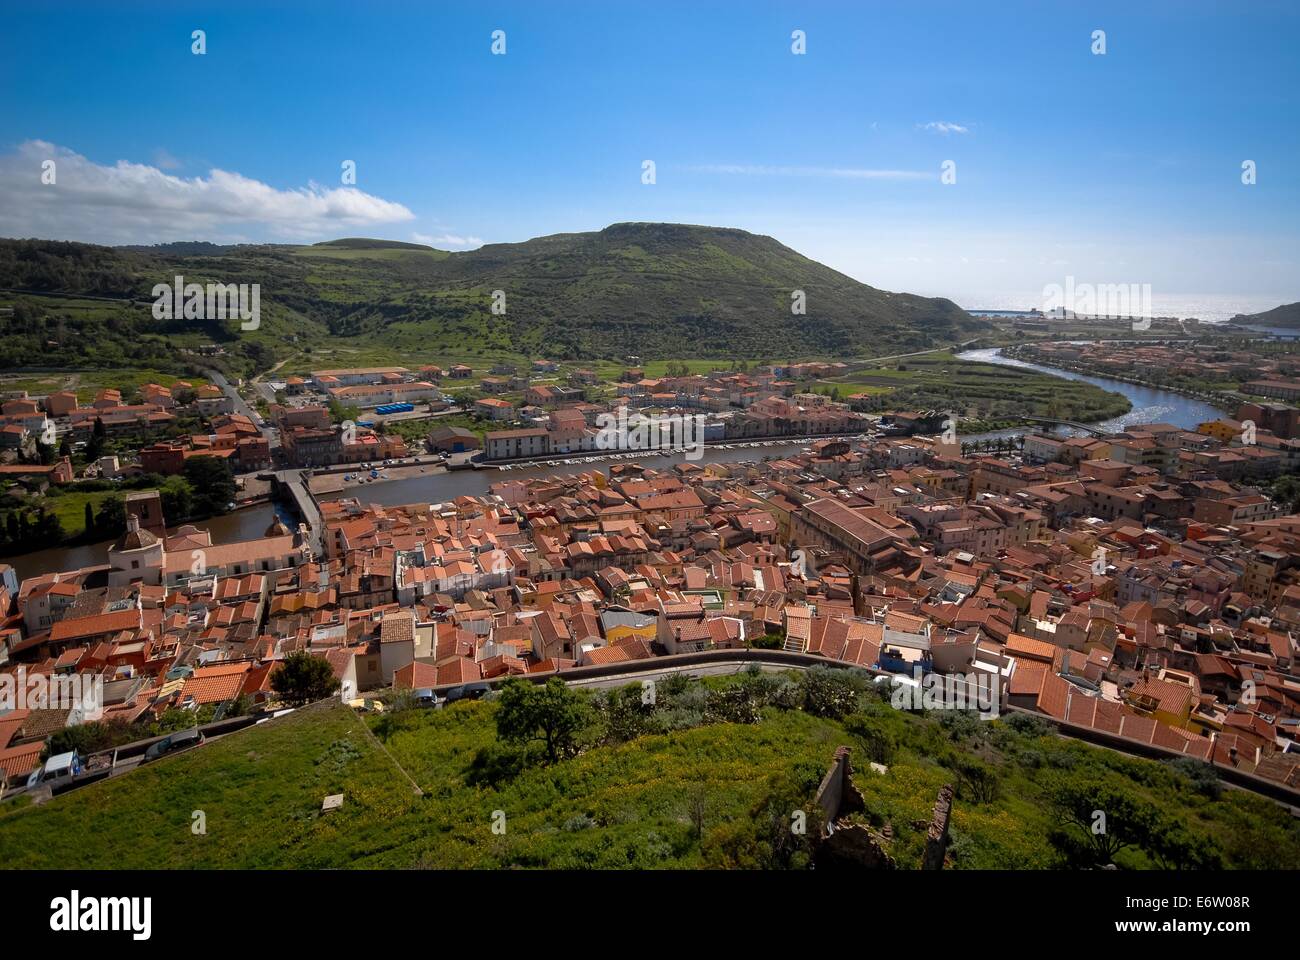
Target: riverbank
(1147, 404)
(588, 456)
(979, 394)
(1218, 400)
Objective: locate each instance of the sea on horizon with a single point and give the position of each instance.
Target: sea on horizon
(1212, 308)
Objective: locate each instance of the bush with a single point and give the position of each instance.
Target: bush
(962, 725)
(495, 766)
(878, 743)
(1203, 778)
(831, 694)
(1028, 725)
(580, 822)
(735, 704)
(303, 678)
(624, 714)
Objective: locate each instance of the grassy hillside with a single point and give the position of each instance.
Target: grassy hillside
(660, 291)
(1287, 315)
(690, 792)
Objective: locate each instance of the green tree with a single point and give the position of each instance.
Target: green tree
(551, 714)
(49, 528)
(1106, 818)
(1174, 848)
(111, 519)
(85, 738)
(339, 412)
(211, 482)
(177, 498)
(303, 678)
(90, 520)
(98, 436)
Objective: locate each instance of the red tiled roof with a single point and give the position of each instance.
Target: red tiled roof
(217, 683)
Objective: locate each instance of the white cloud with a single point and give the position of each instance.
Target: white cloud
(446, 241)
(137, 203)
(849, 173)
(943, 126)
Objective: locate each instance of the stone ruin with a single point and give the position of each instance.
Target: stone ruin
(846, 844)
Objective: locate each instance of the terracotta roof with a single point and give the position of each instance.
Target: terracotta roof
(94, 626)
(217, 683)
(21, 760)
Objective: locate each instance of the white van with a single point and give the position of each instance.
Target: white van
(62, 767)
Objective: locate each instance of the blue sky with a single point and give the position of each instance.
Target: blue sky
(1122, 168)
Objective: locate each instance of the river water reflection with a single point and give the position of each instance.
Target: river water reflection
(1150, 404)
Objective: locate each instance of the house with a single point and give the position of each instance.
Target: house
(453, 440)
(515, 444)
(490, 408)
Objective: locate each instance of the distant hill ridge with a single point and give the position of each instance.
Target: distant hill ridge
(657, 290)
(1287, 315)
(365, 243)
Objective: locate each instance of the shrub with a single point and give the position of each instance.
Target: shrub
(829, 694)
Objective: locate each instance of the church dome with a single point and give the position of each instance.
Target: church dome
(136, 537)
(277, 529)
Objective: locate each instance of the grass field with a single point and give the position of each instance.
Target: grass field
(988, 392)
(260, 793)
(70, 508)
(86, 383)
(687, 798)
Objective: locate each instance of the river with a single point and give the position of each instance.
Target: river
(1150, 405)
(446, 486)
(244, 524)
(251, 522)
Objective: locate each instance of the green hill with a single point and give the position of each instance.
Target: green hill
(685, 788)
(660, 291)
(362, 243)
(1287, 315)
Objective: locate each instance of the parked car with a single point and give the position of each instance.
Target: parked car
(468, 691)
(426, 697)
(177, 742)
(58, 769)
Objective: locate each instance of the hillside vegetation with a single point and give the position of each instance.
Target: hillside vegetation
(1287, 315)
(655, 290)
(708, 777)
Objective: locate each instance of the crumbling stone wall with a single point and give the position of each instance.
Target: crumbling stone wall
(858, 846)
(936, 839)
